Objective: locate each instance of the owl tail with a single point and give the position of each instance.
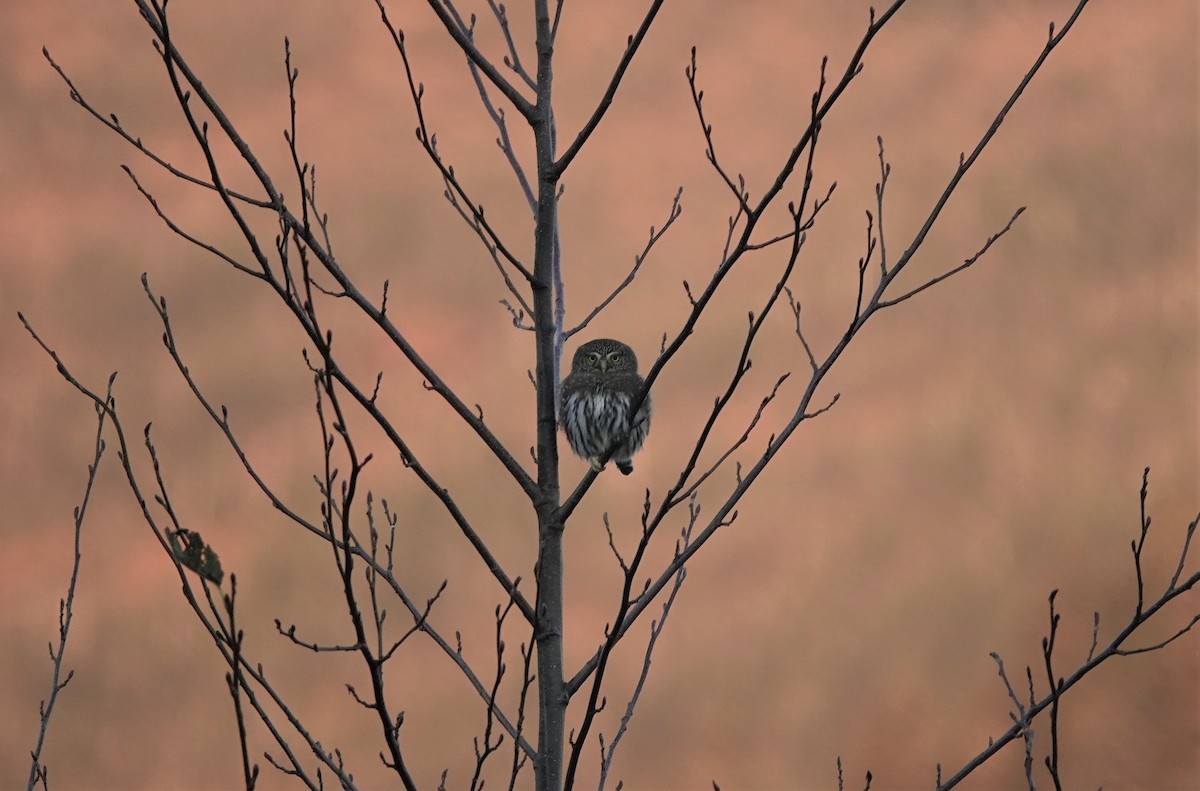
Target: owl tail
(625, 466)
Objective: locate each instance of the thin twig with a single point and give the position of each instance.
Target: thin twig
(631, 48)
(66, 606)
(638, 260)
(1055, 686)
(237, 682)
(656, 628)
(113, 123)
(463, 40)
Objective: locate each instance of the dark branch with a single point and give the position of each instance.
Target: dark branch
(631, 48)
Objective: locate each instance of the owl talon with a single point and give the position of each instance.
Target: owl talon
(596, 465)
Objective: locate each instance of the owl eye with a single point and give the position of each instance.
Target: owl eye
(593, 358)
(615, 357)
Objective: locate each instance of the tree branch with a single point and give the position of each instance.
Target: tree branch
(631, 48)
(38, 772)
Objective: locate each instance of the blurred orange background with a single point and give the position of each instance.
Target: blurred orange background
(987, 446)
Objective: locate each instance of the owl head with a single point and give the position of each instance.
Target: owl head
(604, 356)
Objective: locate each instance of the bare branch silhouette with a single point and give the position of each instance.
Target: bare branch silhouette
(631, 48)
(656, 627)
(1059, 685)
(38, 772)
(638, 260)
(728, 449)
(462, 38)
(874, 301)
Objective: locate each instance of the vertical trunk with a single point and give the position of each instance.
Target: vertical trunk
(552, 701)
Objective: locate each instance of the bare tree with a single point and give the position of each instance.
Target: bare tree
(768, 222)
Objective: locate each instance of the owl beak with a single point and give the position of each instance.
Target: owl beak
(603, 365)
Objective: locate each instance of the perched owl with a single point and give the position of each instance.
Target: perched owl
(594, 404)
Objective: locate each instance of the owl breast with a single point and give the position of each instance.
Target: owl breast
(593, 421)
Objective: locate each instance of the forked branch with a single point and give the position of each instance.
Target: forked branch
(1143, 612)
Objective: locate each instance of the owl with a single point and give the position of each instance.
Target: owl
(594, 404)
